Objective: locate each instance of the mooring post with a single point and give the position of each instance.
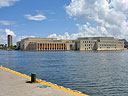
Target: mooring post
(33, 77)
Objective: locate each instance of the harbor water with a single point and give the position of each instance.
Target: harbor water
(96, 73)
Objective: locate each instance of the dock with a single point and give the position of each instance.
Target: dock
(13, 83)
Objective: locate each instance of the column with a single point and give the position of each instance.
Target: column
(39, 46)
(61, 46)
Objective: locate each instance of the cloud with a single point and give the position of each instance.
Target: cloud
(38, 17)
(9, 32)
(4, 22)
(5, 32)
(18, 38)
(7, 3)
(66, 36)
(3, 35)
(101, 17)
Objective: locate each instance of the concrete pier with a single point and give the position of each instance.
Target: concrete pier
(14, 84)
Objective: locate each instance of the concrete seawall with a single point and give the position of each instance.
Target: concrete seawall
(14, 84)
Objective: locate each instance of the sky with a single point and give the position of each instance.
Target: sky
(63, 19)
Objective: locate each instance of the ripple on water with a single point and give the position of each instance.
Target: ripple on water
(102, 73)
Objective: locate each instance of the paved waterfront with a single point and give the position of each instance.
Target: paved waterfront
(14, 85)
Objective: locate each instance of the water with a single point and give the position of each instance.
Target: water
(103, 73)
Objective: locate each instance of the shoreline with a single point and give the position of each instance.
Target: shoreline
(54, 86)
(63, 51)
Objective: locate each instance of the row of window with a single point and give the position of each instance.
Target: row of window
(88, 48)
(50, 44)
(88, 44)
(88, 41)
(52, 48)
(108, 47)
(107, 44)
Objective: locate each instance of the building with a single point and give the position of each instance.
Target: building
(9, 40)
(45, 44)
(99, 43)
(86, 43)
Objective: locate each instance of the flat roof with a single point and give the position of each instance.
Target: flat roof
(94, 38)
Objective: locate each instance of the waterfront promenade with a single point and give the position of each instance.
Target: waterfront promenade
(14, 84)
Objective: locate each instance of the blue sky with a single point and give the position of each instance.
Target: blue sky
(63, 19)
(57, 20)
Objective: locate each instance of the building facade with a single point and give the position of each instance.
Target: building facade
(99, 43)
(9, 41)
(87, 43)
(45, 44)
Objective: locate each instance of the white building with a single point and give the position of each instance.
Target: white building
(99, 43)
(86, 43)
